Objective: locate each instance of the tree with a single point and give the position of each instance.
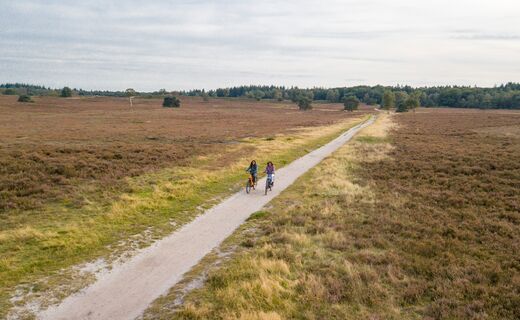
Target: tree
(24, 98)
(205, 97)
(171, 102)
(412, 102)
(131, 92)
(277, 94)
(256, 94)
(332, 95)
(351, 103)
(304, 103)
(400, 99)
(222, 93)
(388, 100)
(66, 92)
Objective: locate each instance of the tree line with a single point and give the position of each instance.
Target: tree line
(505, 96)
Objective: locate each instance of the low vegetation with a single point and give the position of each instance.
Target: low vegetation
(24, 98)
(416, 219)
(66, 197)
(171, 102)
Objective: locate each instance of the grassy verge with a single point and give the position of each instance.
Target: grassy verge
(61, 236)
(379, 231)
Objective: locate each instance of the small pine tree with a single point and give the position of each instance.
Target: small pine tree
(351, 103)
(171, 102)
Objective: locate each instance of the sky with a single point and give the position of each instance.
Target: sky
(186, 44)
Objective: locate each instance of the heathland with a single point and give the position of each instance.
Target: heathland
(418, 218)
(81, 176)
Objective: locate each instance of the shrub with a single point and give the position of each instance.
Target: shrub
(351, 103)
(66, 92)
(304, 103)
(171, 102)
(10, 92)
(24, 98)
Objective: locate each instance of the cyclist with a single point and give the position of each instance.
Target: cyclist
(269, 170)
(253, 170)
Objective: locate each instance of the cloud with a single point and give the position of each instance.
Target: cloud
(202, 43)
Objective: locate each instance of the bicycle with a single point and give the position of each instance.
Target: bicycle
(251, 183)
(269, 183)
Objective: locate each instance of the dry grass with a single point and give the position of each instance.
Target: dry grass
(426, 228)
(36, 243)
(48, 150)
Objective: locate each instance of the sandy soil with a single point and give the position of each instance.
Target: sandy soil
(126, 291)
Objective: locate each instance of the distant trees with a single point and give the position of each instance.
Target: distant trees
(171, 102)
(24, 98)
(351, 103)
(255, 94)
(66, 92)
(388, 100)
(10, 92)
(278, 94)
(332, 95)
(506, 96)
(223, 92)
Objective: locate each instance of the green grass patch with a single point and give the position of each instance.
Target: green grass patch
(372, 139)
(258, 215)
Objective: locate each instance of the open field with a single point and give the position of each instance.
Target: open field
(49, 146)
(87, 178)
(417, 219)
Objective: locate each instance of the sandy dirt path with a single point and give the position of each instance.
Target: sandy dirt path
(127, 290)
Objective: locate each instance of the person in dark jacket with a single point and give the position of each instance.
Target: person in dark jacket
(253, 170)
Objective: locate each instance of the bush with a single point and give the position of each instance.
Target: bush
(10, 92)
(171, 102)
(66, 92)
(24, 98)
(351, 103)
(304, 103)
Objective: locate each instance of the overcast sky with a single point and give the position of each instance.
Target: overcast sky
(186, 44)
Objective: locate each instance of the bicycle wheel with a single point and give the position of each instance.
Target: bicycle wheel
(248, 186)
(266, 185)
